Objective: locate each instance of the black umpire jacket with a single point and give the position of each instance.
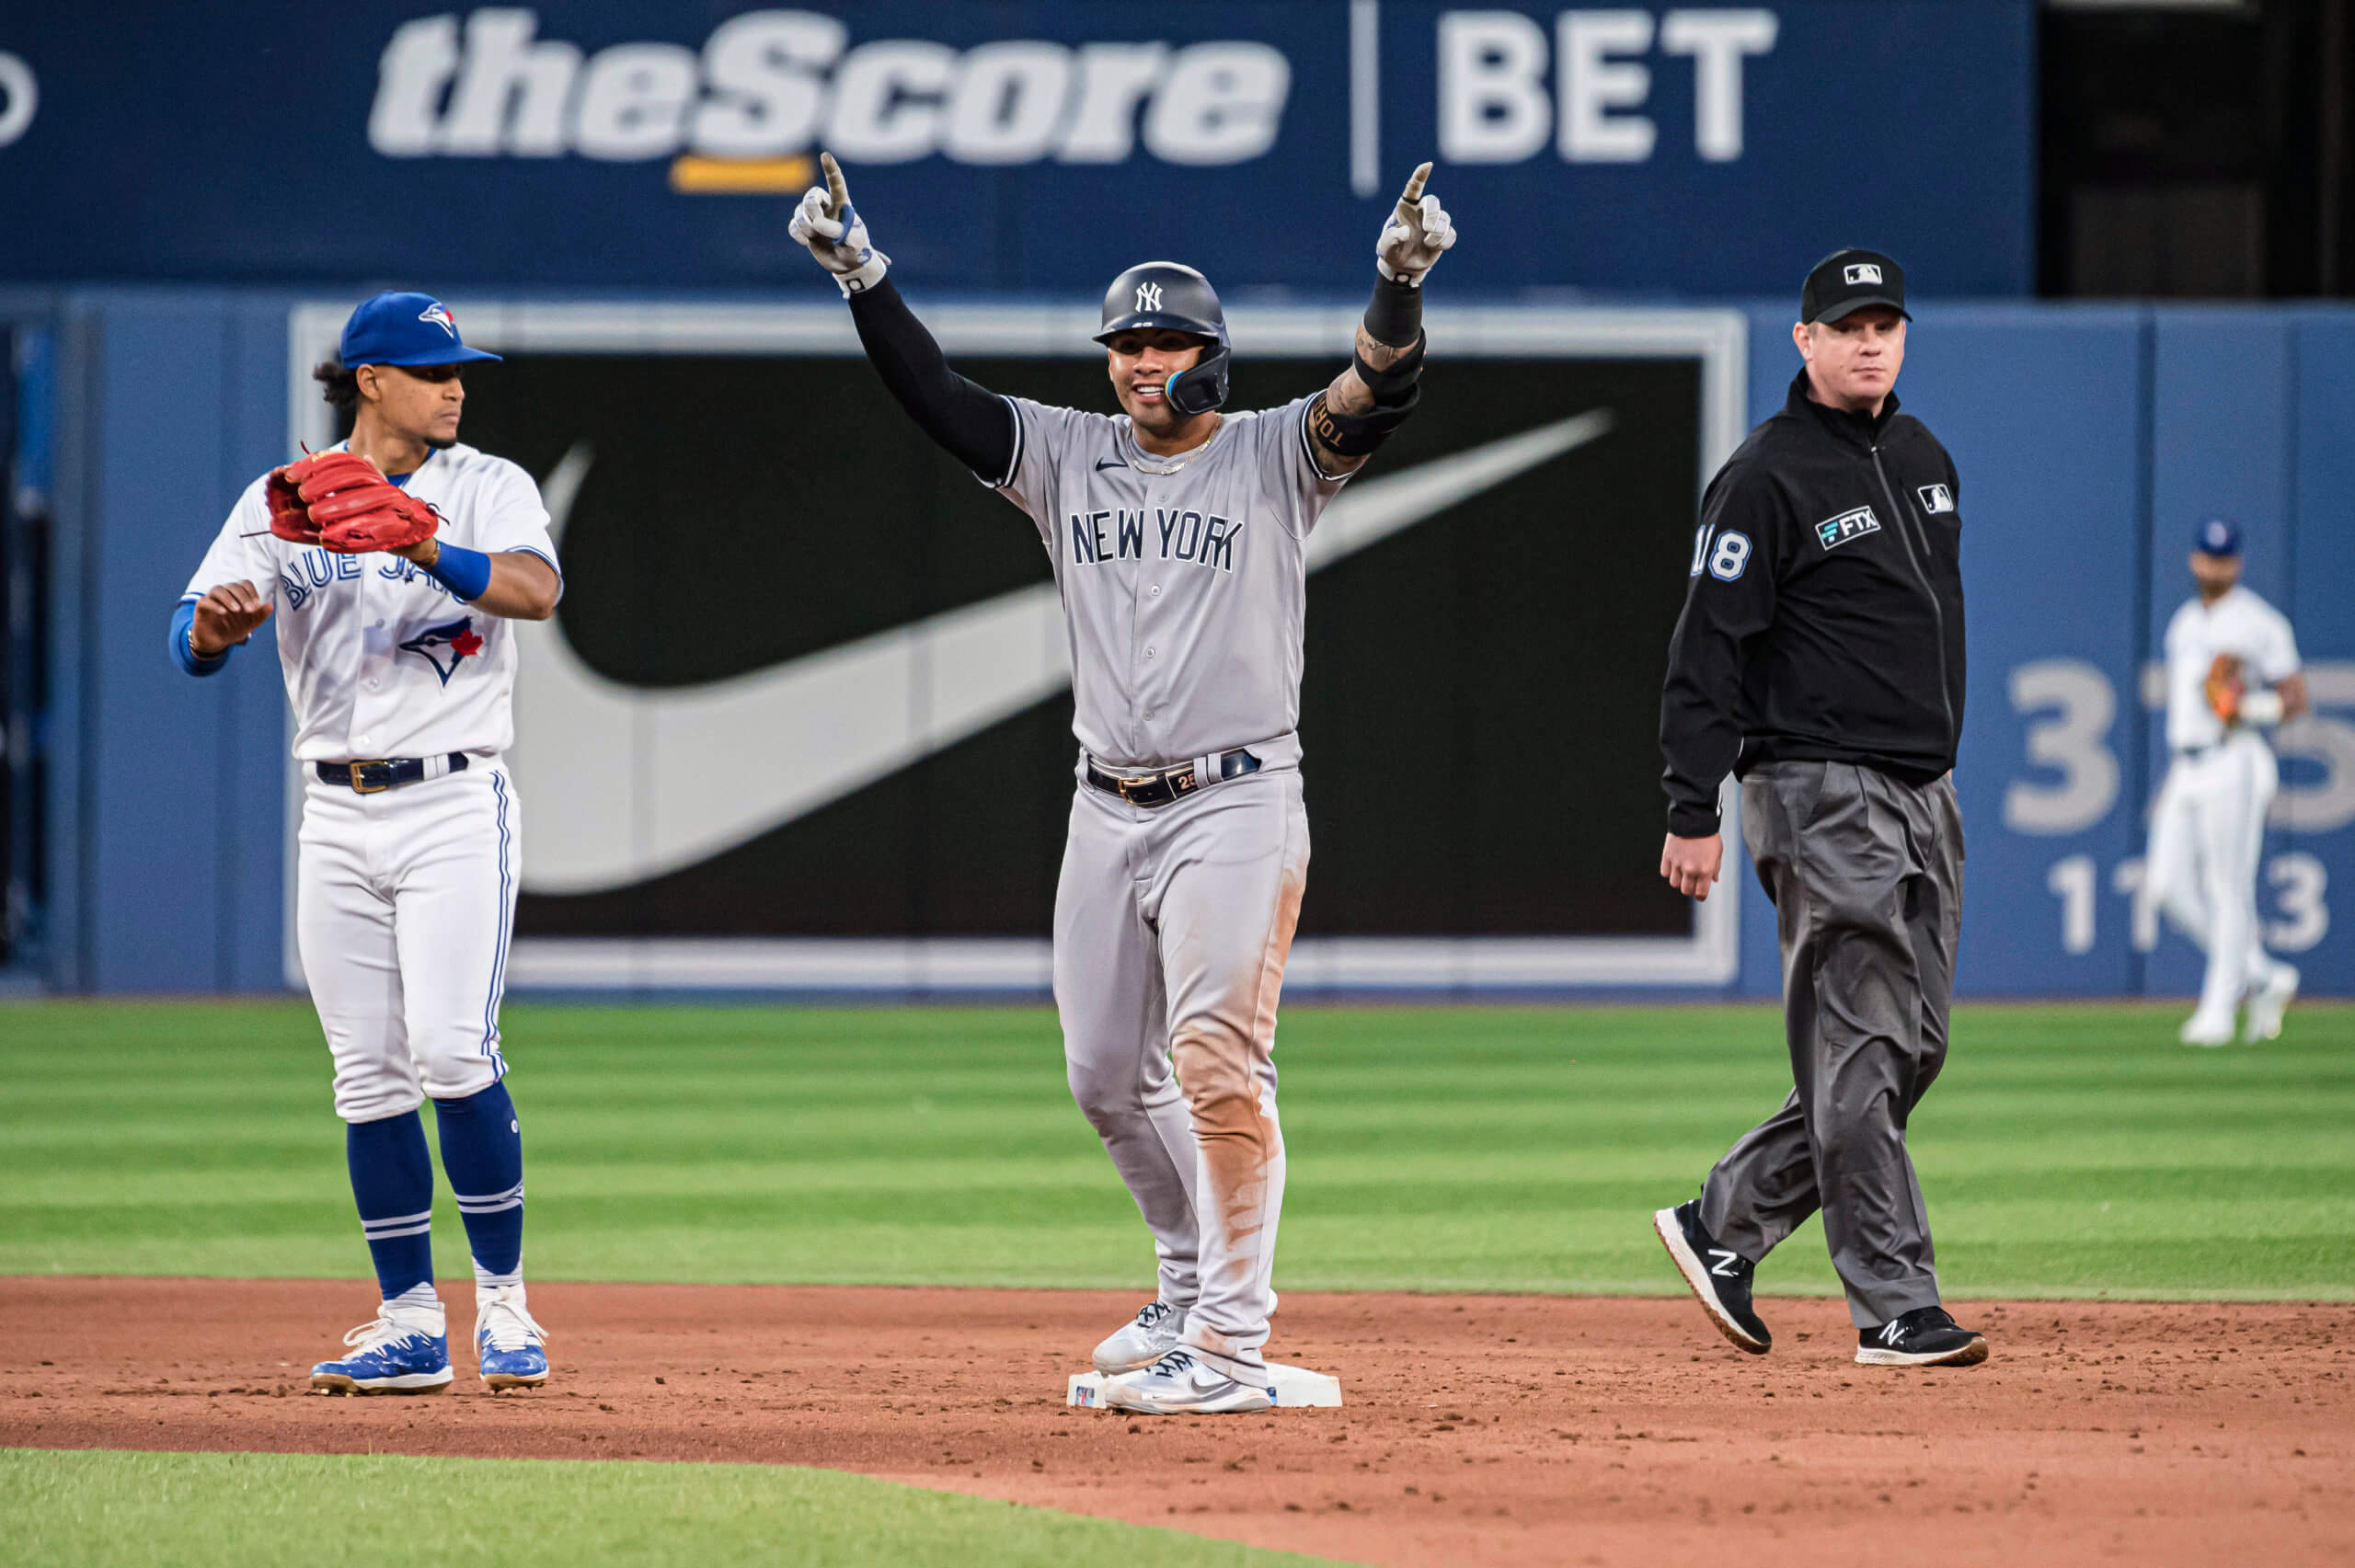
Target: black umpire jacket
(1824, 618)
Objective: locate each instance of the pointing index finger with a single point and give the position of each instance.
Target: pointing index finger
(837, 188)
(1415, 186)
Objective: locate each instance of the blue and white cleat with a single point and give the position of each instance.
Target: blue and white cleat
(508, 1343)
(388, 1357)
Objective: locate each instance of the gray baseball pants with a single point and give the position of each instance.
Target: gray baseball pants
(1172, 928)
(1866, 874)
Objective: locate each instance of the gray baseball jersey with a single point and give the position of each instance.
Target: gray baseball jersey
(1184, 583)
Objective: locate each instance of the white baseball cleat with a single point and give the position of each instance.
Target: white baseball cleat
(1145, 1339)
(2271, 1001)
(1181, 1383)
(2201, 1030)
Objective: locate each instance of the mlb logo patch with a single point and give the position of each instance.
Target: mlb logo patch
(439, 315)
(1863, 272)
(1833, 531)
(1935, 498)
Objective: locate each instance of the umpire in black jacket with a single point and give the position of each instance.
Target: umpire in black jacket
(1820, 660)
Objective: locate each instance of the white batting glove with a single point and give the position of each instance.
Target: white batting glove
(1419, 230)
(835, 233)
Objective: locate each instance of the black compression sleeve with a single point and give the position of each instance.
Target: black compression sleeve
(1395, 315)
(971, 423)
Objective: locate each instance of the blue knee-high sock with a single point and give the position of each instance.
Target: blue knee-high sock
(482, 1153)
(391, 1179)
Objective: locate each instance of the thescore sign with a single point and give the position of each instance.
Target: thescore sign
(771, 83)
(776, 81)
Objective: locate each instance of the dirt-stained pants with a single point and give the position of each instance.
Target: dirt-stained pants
(1172, 926)
(1865, 873)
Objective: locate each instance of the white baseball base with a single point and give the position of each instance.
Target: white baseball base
(1294, 1386)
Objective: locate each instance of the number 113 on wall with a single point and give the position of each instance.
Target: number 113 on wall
(2298, 920)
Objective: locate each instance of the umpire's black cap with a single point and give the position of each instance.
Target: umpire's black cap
(1166, 294)
(1849, 280)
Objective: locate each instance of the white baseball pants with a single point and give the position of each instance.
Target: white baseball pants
(1172, 928)
(405, 900)
(2207, 835)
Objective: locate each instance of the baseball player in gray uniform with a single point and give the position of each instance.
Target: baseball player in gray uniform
(1179, 535)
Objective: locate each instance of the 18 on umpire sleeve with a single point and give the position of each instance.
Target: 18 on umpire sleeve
(1738, 552)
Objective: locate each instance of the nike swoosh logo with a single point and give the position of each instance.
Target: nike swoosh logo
(709, 767)
(1104, 462)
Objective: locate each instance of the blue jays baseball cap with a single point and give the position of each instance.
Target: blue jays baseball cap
(2217, 536)
(404, 329)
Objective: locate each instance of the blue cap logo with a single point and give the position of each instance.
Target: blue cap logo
(404, 329)
(2217, 536)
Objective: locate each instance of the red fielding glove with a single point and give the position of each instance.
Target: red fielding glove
(287, 517)
(356, 510)
(2225, 686)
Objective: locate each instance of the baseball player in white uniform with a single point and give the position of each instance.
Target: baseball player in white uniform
(2232, 667)
(1178, 537)
(400, 665)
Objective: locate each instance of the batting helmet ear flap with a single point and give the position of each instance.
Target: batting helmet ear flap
(1201, 387)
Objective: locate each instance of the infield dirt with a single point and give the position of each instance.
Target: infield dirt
(1516, 1429)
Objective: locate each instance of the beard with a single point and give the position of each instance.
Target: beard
(441, 444)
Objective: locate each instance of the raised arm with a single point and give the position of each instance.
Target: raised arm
(1375, 394)
(971, 423)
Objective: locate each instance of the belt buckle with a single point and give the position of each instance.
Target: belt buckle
(358, 785)
(1133, 790)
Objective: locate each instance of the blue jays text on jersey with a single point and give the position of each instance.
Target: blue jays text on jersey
(313, 569)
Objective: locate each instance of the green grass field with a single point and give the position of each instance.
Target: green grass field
(118, 1510)
(2067, 1151)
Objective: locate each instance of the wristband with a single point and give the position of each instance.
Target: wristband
(465, 573)
(1394, 318)
(2261, 708)
(865, 276)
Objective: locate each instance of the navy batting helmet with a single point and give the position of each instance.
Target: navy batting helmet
(1171, 297)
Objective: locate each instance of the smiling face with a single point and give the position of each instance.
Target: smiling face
(1141, 363)
(420, 403)
(1853, 362)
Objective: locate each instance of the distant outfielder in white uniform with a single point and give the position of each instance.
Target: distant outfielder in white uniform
(392, 599)
(1178, 537)
(2232, 666)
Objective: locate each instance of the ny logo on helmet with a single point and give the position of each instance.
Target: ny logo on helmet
(1148, 296)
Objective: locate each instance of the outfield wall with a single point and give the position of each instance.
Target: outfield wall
(2089, 441)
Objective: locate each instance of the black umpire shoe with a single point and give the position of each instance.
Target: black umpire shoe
(1927, 1337)
(1718, 1275)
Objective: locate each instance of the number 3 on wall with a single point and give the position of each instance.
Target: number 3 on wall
(2074, 741)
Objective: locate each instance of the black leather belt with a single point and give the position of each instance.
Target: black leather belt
(375, 778)
(1170, 784)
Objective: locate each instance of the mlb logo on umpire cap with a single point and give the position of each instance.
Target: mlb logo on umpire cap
(1864, 273)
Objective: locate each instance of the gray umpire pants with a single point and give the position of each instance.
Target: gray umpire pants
(1866, 874)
